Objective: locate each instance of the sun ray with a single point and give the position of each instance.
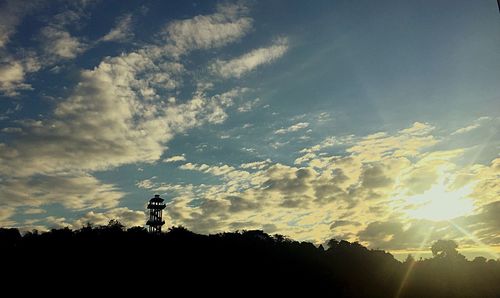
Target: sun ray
(439, 203)
(476, 240)
(412, 264)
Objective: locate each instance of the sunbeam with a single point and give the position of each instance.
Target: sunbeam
(412, 264)
(476, 240)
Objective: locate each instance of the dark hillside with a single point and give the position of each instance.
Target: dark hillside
(248, 261)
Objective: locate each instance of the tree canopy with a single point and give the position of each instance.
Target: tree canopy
(227, 262)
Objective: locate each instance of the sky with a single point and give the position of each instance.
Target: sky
(369, 121)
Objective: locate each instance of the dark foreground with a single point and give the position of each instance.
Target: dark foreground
(110, 258)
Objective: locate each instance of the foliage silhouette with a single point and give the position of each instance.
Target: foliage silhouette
(445, 249)
(234, 263)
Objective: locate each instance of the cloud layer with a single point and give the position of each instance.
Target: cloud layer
(124, 110)
(95, 116)
(362, 195)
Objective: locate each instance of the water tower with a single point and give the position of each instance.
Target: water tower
(155, 221)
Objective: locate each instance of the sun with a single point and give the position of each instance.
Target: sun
(438, 203)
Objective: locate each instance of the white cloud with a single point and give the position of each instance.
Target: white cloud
(248, 105)
(348, 193)
(228, 24)
(115, 114)
(5, 215)
(13, 73)
(418, 128)
(228, 173)
(125, 216)
(175, 158)
(277, 145)
(122, 31)
(358, 195)
(406, 142)
(11, 14)
(147, 183)
(305, 158)
(59, 42)
(241, 65)
(466, 129)
(72, 191)
(256, 165)
(476, 124)
(323, 116)
(94, 127)
(34, 211)
(327, 143)
(247, 149)
(293, 128)
(11, 130)
(56, 42)
(12, 78)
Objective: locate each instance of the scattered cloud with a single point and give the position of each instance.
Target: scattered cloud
(13, 73)
(328, 142)
(57, 41)
(115, 113)
(474, 125)
(60, 43)
(147, 183)
(324, 116)
(122, 31)
(175, 158)
(248, 105)
(5, 215)
(72, 191)
(256, 165)
(228, 24)
(418, 128)
(11, 14)
(466, 129)
(406, 142)
(293, 128)
(125, 216)
(12, 78)
(34, 211)
(56, 44)
(364, 197)
(102, 105)
(125, 109)
(243, 64)
(247, 149)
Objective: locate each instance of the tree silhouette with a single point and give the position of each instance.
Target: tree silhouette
(445, 249)
(233, 263)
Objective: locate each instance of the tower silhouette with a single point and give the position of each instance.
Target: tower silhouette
(155, 221)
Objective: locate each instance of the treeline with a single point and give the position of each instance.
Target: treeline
(236, 263)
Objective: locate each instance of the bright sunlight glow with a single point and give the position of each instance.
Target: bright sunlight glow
(438, 203)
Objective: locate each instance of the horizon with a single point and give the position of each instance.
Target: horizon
(401, 256)
(369, 122)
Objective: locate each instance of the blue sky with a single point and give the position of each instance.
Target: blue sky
(358, 120)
